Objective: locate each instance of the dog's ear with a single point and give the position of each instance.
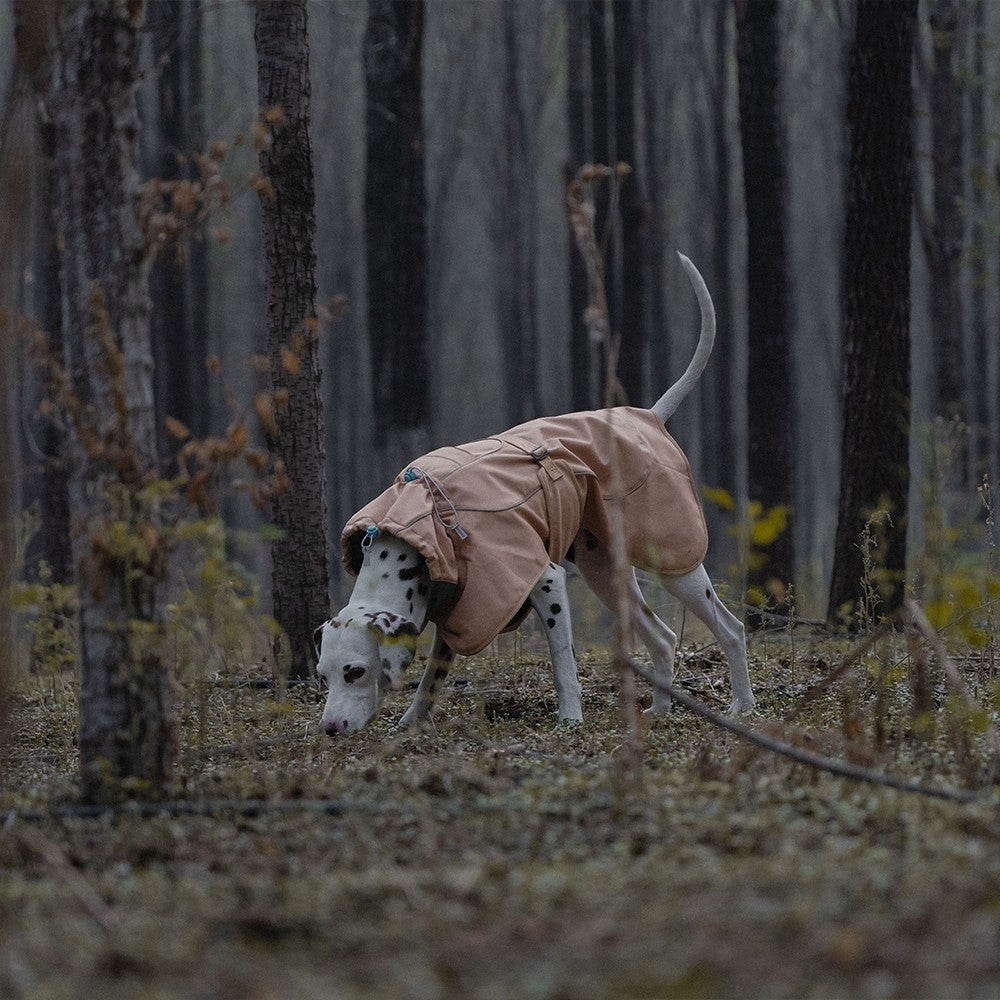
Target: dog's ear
(392, 626)
(397, 642)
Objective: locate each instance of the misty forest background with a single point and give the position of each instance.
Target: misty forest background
(506, 101)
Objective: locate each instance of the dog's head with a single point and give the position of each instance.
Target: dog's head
(361, 655)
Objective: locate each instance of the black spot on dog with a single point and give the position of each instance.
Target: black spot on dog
(384, 554)
(551, 622)
(410, 573)
(402, 557)
(385, 576)
(352, 674)
(411, 608)
(409, 595)
(546, 590)
(708, 593)
(555, 609)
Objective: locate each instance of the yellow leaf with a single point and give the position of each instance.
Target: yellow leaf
(939, 613)
(720, 497)
(764, 530)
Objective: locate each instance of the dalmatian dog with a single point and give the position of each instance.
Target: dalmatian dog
(472, 538)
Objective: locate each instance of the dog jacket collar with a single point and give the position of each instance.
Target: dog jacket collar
(522, 497)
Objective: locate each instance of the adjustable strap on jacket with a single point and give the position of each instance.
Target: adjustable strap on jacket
(536, 452)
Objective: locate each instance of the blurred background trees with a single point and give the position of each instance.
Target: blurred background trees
(448, 296)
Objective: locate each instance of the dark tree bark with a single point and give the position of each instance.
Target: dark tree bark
(656, 169)
(126, 720)
(602, 126)
(49, 484)
(602, 108)
(300, 576)
(178, 282)
(770, 406)
(943, 230)
(517, 237)
(630, 322)
(396, 217)
(581, 149)
(723, 460)
(876, 303)
(984, 396)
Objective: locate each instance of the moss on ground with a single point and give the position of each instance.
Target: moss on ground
(498, 855)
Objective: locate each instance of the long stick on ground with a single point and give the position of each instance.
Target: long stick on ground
(830, 764)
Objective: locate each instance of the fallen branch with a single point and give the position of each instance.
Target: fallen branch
(819, 761)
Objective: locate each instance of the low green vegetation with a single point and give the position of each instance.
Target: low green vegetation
(498, 853)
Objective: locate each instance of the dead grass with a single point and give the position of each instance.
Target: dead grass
(495, 855)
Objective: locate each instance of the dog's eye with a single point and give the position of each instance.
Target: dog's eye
(352, 674)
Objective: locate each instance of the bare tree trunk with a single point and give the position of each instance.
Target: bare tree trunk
(633, 366)
(33, 28)
(770, 405)
(396, 217)
(978, 93)
(126, 720)
(517, 237)
(724, 461)
(943, 230)
(581, 149)
(300, 569)
(879, 203)
(179, 278)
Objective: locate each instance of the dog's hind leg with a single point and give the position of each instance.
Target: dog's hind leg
(594, 562)
(551, 603)
(695, 591)
(438, 663)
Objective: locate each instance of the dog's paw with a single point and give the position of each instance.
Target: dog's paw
(411, 719)
(742, 706)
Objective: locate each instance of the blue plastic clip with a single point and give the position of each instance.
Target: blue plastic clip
(371, 533)
(410, 475)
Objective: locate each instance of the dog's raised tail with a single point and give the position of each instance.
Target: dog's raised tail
(664, 407)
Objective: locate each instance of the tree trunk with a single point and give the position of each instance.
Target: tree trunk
(876, 305)
(33, 30)
(179, 277)
(300, 575)
(944, 230)
(396, 217)
(517, 236)
(770, 406)
(723, 461)
(126, 720)
(630, 323)
(581, 150)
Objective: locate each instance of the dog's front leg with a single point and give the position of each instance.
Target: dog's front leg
(438, 663)
(551, 604)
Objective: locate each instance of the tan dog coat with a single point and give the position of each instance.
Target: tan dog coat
(521, 498)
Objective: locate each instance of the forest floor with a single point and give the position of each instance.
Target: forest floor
(500, 854)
